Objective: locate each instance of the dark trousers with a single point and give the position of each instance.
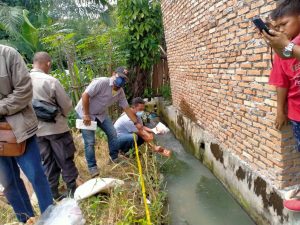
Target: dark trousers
(57, 153)
(126, 142)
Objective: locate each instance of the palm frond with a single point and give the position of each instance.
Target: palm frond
(11, 19)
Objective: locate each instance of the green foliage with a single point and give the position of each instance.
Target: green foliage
(87, 49)
(11, 19)
(86, 40)
(72, 119)
(104, 51)
(72, 10)
(166, 92)
(18, 30)
(143, 20)
(148, 93)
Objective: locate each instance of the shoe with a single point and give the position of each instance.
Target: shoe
(94, 172)
(56, 195)
(125, 155)
(115, 161)
(71, 188)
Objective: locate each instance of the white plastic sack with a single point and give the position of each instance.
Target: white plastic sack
(160, 129)
(95, 186)
(67, 212)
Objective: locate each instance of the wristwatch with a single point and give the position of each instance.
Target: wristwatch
(288, 50)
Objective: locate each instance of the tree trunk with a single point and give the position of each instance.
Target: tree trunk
(74, 82)
(140, 82)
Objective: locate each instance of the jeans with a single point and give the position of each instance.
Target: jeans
(126, 142)
(89, 142)
(296, 129)
(14, 188)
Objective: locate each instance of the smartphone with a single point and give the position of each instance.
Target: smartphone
(260, 24)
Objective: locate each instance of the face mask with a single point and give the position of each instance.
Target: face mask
(119, 82)
(140, 114)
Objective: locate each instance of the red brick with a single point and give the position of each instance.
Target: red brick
(219, 75)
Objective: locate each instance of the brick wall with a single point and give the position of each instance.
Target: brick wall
(219, 70)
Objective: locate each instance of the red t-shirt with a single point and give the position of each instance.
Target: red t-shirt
(286, 74)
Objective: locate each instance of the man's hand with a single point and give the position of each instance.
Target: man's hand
(278, 41)
(281, 120)
(87, 120)
(139, 126)
(147, 137)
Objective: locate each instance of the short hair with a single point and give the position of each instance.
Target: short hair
(137, 101)
(286, 8)
(41, 57)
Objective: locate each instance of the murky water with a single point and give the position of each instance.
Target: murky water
(195, 195)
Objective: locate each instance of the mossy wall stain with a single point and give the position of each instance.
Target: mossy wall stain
(180, 121)
(269, 200)
(260, 189)
(240, 174)
(217, 152)
(187, 110)
(249, 180)
(276, 202)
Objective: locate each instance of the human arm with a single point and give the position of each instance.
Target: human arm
(296, 52)
(147, 129)
(280, 80)
(86, 109)
(147, 136)
(279, 41)
(133, 117)
(21, 86)
(281, 118)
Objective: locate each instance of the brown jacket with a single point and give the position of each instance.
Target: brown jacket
(49, 89)
(16, 94)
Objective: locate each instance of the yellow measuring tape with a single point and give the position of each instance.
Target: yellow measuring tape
(142, 180)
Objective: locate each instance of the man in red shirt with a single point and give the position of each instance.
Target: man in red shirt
(285, 74)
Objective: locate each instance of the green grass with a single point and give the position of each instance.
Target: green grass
(123, 205)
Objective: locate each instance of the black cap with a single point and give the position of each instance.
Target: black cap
(122, 72)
